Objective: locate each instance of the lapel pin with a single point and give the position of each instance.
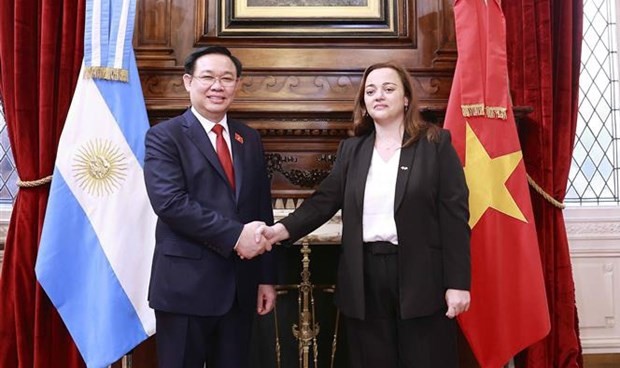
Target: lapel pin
(404, 168)
(238, 138)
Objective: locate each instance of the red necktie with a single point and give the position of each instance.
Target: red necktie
(224, 154)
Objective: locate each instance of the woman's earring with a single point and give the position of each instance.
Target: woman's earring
(365, 114)
(406, 107)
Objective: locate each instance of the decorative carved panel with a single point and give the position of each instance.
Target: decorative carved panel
(286, 91)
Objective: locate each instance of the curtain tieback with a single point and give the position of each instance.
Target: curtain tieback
(544, 194)
(34, 183)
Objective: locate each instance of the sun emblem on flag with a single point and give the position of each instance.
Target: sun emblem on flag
(99, 167)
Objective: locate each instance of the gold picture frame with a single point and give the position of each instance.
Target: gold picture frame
(298, 9)
(306, 22)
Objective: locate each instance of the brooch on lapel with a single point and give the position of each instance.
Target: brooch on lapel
(238, 138)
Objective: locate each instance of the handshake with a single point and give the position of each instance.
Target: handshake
(256, 238)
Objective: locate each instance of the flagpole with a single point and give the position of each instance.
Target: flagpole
(127, 361)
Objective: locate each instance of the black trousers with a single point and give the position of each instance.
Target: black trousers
(385, 340)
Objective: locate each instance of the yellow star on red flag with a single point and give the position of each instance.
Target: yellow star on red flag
(486, 178)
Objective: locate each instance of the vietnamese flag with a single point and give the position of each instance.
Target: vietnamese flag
(509, 310)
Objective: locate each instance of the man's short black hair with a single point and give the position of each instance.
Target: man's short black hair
(190, 61)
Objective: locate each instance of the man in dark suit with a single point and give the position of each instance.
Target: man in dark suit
(207, 181)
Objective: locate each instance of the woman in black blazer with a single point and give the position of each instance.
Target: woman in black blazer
(404, 268)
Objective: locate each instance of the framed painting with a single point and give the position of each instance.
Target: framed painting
(308, 20)
(307, 9)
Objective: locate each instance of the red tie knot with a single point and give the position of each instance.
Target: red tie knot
(218, 129)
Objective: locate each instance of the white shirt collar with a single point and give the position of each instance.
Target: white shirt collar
(208, 124)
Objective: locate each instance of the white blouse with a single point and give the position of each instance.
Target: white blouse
(378, 218)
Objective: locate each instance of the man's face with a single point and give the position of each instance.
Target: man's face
(213, 85)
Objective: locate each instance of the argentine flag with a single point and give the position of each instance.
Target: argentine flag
(98, 235)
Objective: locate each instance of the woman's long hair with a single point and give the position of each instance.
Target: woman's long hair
(415, 127)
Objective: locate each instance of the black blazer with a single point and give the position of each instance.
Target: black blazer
(431, 214)
(195, 270)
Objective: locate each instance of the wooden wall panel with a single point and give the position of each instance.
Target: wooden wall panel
(319, 70)
(153, 33)
(296, 90)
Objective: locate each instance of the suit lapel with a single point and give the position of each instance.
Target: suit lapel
(361, 166)
(238, 153)
(405, 167)
(198, 136)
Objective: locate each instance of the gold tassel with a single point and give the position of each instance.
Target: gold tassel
(496, 112)
(472, 110)
(102, 72)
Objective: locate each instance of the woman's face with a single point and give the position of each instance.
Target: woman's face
(384, 96)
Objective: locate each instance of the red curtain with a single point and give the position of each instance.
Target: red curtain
(544, 50)
(41, 48)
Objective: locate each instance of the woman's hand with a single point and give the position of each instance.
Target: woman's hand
(457, 301)
(273, 234)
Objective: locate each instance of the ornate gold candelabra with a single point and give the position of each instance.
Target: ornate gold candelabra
(307, 328)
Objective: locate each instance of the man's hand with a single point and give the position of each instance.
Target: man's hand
(247, 246)
(458, 302)
(266, 299)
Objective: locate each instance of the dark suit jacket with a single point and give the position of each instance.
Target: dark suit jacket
(195, 270)
(431, 214)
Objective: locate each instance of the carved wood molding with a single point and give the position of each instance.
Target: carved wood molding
(299, 127)
(287, 91)
(299, 83)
